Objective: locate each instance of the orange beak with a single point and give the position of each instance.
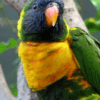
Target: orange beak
(51, 15)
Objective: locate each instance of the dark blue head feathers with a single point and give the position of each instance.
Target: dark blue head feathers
(34, 23)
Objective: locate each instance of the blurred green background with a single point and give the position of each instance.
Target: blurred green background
(89, 10)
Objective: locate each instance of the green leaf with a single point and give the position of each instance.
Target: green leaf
(2, 47)
(13, 88)
(93, 25)
(13, 43)
(97, 22)
(10, 44)
(97, 1)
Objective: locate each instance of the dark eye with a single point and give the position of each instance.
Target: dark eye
(50, 3)
(34, 7)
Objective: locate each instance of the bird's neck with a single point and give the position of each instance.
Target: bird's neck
(67, 89)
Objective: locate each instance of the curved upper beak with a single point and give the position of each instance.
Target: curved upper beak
(51, 15)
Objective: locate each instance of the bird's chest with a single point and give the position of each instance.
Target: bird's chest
(45, 63)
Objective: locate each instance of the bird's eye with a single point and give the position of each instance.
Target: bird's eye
(53, 3)
(34, 7)
(50, 3)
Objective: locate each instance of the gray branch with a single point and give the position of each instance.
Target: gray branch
(73, 19)
(72, 15)
(16, 4)
(5, 93)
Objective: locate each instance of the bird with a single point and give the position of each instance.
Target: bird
(59, 62)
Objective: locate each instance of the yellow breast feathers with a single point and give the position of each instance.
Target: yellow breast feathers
(45, 63)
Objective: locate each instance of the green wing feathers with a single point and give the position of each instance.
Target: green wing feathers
(87, 53)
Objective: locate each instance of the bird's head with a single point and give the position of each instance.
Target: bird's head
(42, 20)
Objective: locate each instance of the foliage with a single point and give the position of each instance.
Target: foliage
(93, 24)
(3, 47)
(13, 89)
(8, 45)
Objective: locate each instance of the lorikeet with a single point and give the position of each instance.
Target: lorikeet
(60, 63)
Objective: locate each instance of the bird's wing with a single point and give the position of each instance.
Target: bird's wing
(87, 52)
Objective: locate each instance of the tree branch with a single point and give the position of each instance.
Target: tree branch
(72, 15)
(5, 93)
(16, 4)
